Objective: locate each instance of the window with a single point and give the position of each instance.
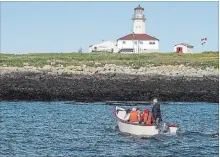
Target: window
(135, 42)
(141, 42)
(126, 50)
(124, 42)
(152, 43)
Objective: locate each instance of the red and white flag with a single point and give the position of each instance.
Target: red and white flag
(203, 41)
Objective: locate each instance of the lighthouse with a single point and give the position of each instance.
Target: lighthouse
(139, 20)
(136, 41)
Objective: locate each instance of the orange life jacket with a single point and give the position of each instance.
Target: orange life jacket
(149, 120)
(145, 117)
(133, 116)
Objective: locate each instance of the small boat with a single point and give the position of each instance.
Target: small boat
(139, 129)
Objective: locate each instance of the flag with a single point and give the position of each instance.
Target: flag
(203, 41)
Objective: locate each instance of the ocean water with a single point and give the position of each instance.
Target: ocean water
(67, 129)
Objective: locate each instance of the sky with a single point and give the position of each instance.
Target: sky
(44, 27)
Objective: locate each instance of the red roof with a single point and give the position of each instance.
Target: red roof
(139, 8)
(138, 37)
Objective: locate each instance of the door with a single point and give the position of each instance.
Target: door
(179, 50)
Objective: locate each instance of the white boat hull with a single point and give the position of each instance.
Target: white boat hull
(140, 129)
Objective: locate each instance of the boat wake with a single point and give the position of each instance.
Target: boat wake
(196, 133)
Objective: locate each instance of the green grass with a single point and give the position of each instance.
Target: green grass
(203, 60)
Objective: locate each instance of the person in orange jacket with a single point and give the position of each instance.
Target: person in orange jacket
(149, 119)
(144, 116)
(134, 116)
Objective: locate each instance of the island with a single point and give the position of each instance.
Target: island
(90, 77)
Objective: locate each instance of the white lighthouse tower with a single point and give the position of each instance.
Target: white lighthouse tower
(139, 20)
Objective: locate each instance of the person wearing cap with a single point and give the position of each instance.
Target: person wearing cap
(144, 115)
(156, 112)
(134, 118)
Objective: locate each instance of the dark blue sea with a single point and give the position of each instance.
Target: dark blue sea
(68, 129)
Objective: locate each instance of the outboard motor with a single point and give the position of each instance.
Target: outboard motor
(163, 127)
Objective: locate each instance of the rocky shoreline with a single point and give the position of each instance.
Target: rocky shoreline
(168, 70)
(109, 83)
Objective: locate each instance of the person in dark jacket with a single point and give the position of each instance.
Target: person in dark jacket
(156, 112)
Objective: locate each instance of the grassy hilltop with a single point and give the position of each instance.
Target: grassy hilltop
(203, 60)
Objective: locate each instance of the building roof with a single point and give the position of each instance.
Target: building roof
(137, 37)
(103, 42)
(139, 8)
(185, 44)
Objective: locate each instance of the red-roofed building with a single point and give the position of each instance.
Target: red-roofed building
(138, 41)
(138, 37)
(183, 48)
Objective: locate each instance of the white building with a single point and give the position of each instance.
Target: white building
(183, 48)
(138, 41)
(105, 46)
